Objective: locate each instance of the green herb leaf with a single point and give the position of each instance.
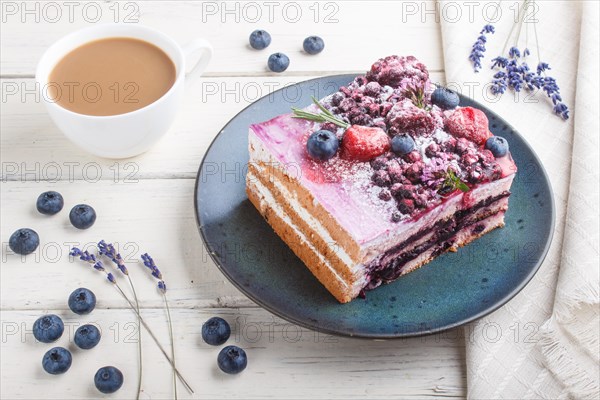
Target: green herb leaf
(463, 186)
(324, 116)
(453, 182)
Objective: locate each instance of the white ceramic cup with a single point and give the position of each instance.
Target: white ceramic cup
(132, 133)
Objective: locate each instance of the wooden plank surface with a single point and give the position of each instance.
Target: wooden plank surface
(284, 361)
(356, 33)
(146, 204)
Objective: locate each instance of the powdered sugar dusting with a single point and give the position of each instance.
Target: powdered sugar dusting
(370, 198)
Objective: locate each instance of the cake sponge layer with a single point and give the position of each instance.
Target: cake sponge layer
(296, 227)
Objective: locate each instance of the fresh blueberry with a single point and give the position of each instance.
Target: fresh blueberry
(24, 241)
(260, 39)
(216, 331)
(278, 62)
(322, 145)
(402, 144)
(50, 203)
(497, 145)
(82, 301)
(57, 360)
(313, 45)
(48, 328)
(108, 379)
(87, 336)
(444, 98)
(232, 360)
(82, 216)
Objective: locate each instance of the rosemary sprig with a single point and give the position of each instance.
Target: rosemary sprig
(453, 182)
(324, 116)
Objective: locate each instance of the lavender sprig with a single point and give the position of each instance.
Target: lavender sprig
(91, 259)
(149, 263)
(87, 257)
(108, 250)
(162, 287)
(513, 71)
(478, 48)
(499, 83)
(516, 76)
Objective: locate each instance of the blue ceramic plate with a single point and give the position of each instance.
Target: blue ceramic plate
(454, 289)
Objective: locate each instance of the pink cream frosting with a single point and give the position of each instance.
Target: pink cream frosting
(342, 187)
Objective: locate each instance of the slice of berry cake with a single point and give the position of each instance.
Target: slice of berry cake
(379, 178)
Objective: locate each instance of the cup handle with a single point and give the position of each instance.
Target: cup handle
(204, 47)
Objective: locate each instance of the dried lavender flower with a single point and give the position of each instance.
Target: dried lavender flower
(514, 73)
(87, 257)
(149, 263)
(478, 48)
(499, 83)
(514, 52)
(108, 250)
(542, 66)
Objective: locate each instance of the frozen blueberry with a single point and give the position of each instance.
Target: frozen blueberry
(444, 98)
(497, 145)
(57, 360)
(313, 45)
(50, 203)
(216, 331)
(402, 144)
(232, 360)
(82, 301)
(87, 336)
(322, 145)
(260, 39)
(108, 379)
(278, 62)
(48, 328)
(82, 216)
(24, 241)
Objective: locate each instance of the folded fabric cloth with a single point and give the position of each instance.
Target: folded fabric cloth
(545, 342)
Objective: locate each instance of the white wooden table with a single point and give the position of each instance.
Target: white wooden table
(146, 204)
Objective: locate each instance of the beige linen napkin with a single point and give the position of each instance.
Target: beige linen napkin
(543, 343)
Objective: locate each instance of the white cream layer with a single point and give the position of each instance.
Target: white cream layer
(268, 200)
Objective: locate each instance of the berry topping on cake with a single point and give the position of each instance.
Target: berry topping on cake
(397, 71)
(402, 144)
(406, 117)
(322, 145)
(497, 145)
(362, 143)
(444, 98)
(422, 148)
(469, 123)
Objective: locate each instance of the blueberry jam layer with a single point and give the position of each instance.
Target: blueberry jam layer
(390, 265)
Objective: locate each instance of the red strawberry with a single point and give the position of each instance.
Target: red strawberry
(363, 143)
(470, 123)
